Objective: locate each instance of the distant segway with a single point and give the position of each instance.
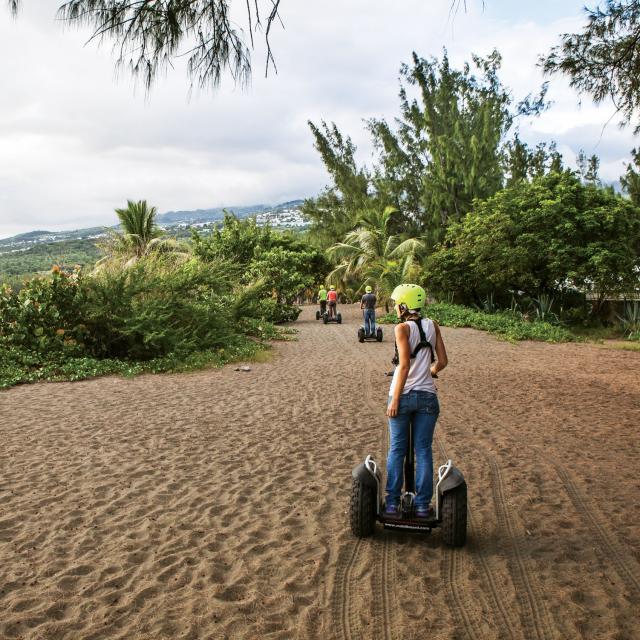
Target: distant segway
(320, 312)
(337, 318)
(450, 512)
(369, 337)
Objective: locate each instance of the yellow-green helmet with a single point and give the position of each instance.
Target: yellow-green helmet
(332, 288)
(411, 296)
(368, 289)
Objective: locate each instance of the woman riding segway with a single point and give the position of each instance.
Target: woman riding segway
(332, 299)
(413, 403)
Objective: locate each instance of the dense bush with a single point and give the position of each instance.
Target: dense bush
(157, 307)
(153, 308)
(45, 315)
(159, 314)
(553, 235)
(275, 267)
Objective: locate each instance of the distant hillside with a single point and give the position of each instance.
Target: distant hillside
(36, 251)
(23, 241)
(212, 215)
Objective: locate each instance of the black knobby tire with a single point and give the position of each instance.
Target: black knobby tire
(339, 318)
(379, 335)
(360, 335)
(317, 315)
(363, 509)
(325, 318)
(454, 516)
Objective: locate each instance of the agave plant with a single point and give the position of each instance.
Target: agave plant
(543, 308)
(630, 318)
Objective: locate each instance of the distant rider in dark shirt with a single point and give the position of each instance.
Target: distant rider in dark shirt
(368, 304)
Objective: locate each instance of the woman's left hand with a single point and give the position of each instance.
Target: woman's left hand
(392, 408)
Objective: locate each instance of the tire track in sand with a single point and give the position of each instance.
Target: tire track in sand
(612, 550)
(452, 566)
(341, 610)
(384, 581)
(534, 615)
(507, 622)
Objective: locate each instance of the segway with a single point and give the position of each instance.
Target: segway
(320, 312)
(450, 512)
(326, 318)
(369, 337)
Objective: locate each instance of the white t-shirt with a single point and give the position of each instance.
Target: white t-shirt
(419, 378)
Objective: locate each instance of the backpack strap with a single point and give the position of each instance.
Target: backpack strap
(423, 344)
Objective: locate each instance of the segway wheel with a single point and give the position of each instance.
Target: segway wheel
(360, 334)
(339, 318)
(379, 334)
(454, 516)
(325, 318)
(317, 315)
(363, 509)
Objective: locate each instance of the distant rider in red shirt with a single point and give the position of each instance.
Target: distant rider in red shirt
(332, 299)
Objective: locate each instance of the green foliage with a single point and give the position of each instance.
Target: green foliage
(630, 319)
(22, 366)
(140, 236)
(603, 60)
(149, 36)
(154, 316)
(156, 307)
(445, 152)
(455, 133)
(544, 308)
(337, 152)
(274, 268)
(372, 254)
(148, 310)
(504, 323)
(523, 163)
(14, 266)
(45, 315)
(236, 241)
(630, 181)
(548, 236)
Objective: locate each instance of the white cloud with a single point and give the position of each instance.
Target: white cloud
(75, 142)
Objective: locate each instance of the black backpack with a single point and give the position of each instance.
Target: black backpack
(423, 344)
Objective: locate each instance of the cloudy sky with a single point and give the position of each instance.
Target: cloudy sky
(77, 140)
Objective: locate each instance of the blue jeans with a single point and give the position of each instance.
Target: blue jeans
(420, 409)
(369, 321)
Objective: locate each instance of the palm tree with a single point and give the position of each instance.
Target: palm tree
(139, 230)
(373, 255)
(140, 236)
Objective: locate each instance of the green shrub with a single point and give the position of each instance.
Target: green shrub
(548, 236)
(506, 324)
(630, 319)
(46, 314)
(156, 307)
(160, 314)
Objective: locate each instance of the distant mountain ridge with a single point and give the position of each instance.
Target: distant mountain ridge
(169, 218)
(211, 215)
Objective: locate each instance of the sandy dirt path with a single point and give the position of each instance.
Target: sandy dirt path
(214, 504)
